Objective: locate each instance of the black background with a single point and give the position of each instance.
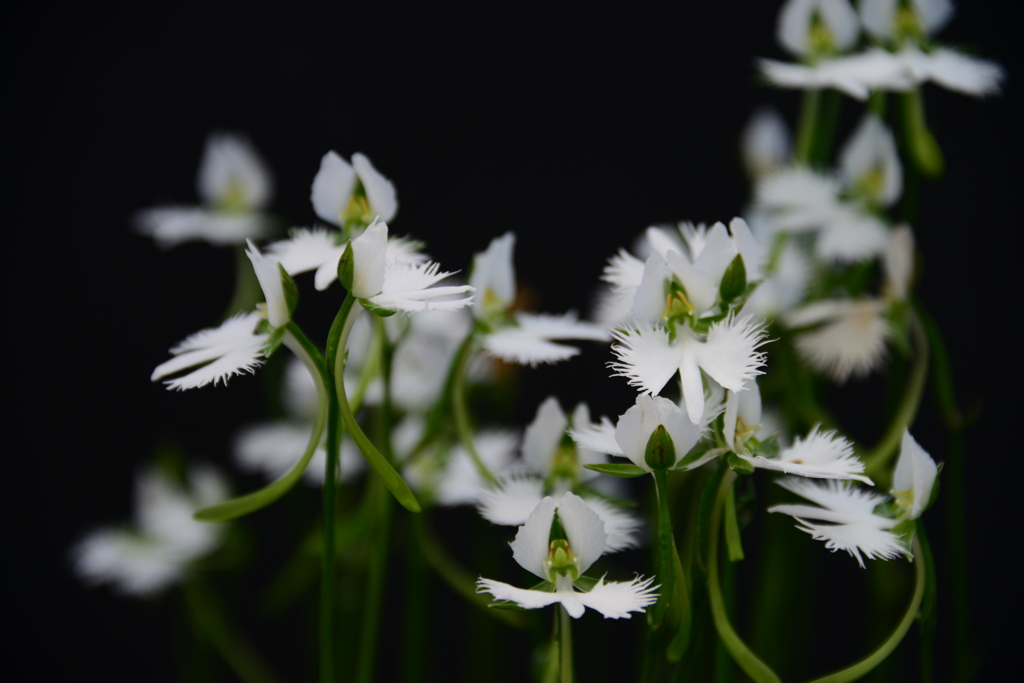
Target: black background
(575, 127)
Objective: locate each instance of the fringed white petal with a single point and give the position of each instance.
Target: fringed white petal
(524, 347)
(964, 74)
(599, 437)
(851, 340)
(564, 326)
(616, 600)
(524, 597)
(408, 287)
(824, 455)
(130, 564)
(646, 358)
(838, 496)
(219, 353)
(729, 356)
(855, 538)
(307, 249)
(170, 226)
(623, 272)
(620, 524)
(584, 529)
(530, 547)
(511, 503)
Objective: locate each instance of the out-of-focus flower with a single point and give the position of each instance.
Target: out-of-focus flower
(345, 193)
(234, 185)
(165, 539)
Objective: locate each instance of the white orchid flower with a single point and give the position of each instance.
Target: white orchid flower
(398, 285)
(550, 465)
(848, 337)
(165, 539)
(216, 354)
(728, 354)
(526, 338)
(809, 27)
(234, 185)
(890, 20)
(848, 512)
(342, 191)
(870, 164)
(561, 563)
(822, 455)
(628, 438)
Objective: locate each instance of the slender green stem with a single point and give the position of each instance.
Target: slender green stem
(807, 127)
(384, 470)
(208, 614)
(732, 528)
(565, 650)
(417, 609)
(461, 409)
(741, 654)
(300, 345)
(861, 668)
(328, 575)
(876, 461)
(666, 548)
(379, 543)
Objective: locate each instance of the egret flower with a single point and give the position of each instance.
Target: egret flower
(561, 562)
(869, 163)
(848, 335)
(822, 455)
(344, 192)
(522, 338)
(553, 467)
(165, 539)
(849, 515)
(765, 144)
(234, 185)
(808, 28)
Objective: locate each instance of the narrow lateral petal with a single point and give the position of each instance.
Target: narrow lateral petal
(332, 187)
(525, 347)
(914, 476)
(564, 326)
(599, 437)
(380, 192)
(511, 503)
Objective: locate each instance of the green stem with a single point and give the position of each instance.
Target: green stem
(347, 315)
(240, 655)
(300, 345)
(328, 573)
(565, 650)
(876, 461)
(865, 665)
(732, 528)
(741, 654)
(417, 609)
(375, 585)
(666, 548)
(807, 126)
(461, 409)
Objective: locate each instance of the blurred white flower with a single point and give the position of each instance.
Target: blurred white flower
(848, 337)
(234, 185)
(870, 164)
(215, 354)
(165, 539)
(343, 192)
(810, 27)
(765, 145)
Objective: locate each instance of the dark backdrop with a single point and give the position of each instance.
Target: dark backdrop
(575, 127)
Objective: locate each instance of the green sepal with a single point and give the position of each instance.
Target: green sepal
(768, 448)
(905, 531)
(291, 290)
(697, 452)
(584, 583)
(346, 267)
(274, 342)
(378, 311)
(734, 281)
(623, 470)
(934, 495)
(738, 464)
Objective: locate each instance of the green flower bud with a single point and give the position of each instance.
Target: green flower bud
(661, 452)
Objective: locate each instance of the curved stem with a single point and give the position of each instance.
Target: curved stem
(347, 315)
(238, 652)
(565, 650)
(741, 654)
(461, 409)
(300, 345)
(876, 460)
(855, 671)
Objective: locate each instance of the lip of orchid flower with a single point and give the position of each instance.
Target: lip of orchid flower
(585, 541)
(822, 455)
(849, 339)
(216, 354)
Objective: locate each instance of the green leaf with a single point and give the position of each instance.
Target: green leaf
(346, 268)
(291, 290)
(626, 471)
(378, 311)
(734, 281)
(274, 342)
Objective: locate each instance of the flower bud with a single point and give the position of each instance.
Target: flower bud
(661, 451)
